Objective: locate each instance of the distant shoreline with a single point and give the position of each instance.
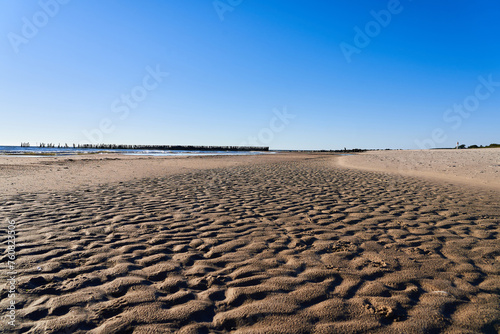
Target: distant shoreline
(29, 151)
(147, 147)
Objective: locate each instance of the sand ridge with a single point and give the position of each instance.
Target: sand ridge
(290, 246)
(471, 167)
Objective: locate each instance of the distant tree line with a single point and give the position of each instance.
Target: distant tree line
(354, 150)
(480, 146)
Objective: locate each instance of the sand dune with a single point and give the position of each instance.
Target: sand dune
(292, 245)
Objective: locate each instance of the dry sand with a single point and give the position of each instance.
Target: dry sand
(479, 167)
(267, 244)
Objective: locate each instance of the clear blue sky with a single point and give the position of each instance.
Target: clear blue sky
(227, 78)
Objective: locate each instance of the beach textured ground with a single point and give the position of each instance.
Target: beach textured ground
(472, 167)
(269, 244)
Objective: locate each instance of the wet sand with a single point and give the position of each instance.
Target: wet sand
(287, 243)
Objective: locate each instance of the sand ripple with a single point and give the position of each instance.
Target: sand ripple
(290, 247)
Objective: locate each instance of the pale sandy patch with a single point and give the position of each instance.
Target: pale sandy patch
(475, 167)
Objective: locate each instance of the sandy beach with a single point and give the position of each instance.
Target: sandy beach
(473, 168)
(381, 242)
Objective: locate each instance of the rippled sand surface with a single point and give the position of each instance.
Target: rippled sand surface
(291, 244)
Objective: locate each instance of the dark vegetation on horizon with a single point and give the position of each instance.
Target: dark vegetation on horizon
(354, 150)
(153, 147)
(463, 146)
(481, 146)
